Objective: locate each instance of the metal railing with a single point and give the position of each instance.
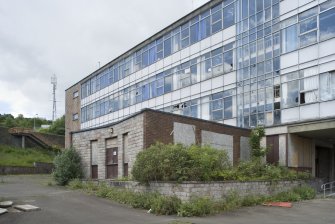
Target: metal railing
(328, 187)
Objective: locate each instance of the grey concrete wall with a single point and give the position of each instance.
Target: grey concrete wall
(183, 133)
(213, 190)
(245, 149)
(300, 151)
(82, 143)
(219, 141)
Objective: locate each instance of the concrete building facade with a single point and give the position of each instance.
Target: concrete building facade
(110, 151)
(238, 62)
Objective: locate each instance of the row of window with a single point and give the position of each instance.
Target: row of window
(201, 26)
(257, 104)
(302, 30)
(211, 64)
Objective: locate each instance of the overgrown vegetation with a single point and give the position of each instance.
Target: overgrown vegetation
(202, 163)
(198, 206)
(9, 121)
(255, 169)
(14, 156)
(255, 143)
(170, 162)
(57, 127)
(67, 166)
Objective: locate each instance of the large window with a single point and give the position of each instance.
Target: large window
(216, 18)
(327, 86)
(327, 24)
(289, 39)
(290, 94)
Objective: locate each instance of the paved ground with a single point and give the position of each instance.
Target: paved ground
(60, 205)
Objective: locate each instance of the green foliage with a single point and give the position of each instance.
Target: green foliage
(165, 205)
(207, 162)
(14, 156)
(296, 194)
(171, 162)
(8, 120)
(256, 170)
(67, 167)
(255, 142)
(57, 127)
(199, 206)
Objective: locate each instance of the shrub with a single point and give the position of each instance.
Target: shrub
(165, 205)
(75, 184)
(170, 162)
(200, 206)
(67, 167)
(305, 192)
(207, 162)
(232, 201)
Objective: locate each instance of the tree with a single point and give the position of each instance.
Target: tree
(57, 127)
(67, 167)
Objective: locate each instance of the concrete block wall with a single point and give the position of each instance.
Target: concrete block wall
(82, 143)
(214, 190)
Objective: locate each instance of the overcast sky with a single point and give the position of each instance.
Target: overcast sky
(39, 38)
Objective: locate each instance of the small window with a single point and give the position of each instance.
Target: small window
(75, 94)
(276, 91)
(75, 116)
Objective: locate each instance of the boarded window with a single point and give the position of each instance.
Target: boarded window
(94, 159)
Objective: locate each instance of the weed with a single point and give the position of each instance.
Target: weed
(14, 156)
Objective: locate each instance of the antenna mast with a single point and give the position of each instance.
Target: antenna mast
(54, 86)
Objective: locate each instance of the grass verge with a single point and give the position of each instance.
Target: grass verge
(199, 206)
(13, 156)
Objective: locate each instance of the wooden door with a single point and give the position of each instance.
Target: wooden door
(112, 163)
(272, 142)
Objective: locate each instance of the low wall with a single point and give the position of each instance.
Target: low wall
(213, 190)
(41, 169)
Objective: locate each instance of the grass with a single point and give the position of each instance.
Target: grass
(14, 156)
(198, 206)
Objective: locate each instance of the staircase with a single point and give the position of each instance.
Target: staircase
(328, 189)
(43, 140)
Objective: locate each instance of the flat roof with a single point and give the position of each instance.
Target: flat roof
(157, 111)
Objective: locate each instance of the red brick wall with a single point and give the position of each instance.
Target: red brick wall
(158, 126)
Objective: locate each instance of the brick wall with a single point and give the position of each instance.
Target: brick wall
(158, 126)
(72, 106)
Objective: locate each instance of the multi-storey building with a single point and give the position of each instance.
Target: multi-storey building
(238, 62)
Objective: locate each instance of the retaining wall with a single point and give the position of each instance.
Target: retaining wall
(41, 169)
(213, 190)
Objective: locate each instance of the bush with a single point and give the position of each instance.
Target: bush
(200, 206)
(165, 205)
(67, 167)
(170, 162)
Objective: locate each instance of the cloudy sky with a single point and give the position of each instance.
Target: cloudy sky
(39, 38)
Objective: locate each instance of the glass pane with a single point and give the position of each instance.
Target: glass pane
(228, 16)
(289, 39)
(327, 25)
(290, 94)
(308, 38)
(308, 25)
(327, 86)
